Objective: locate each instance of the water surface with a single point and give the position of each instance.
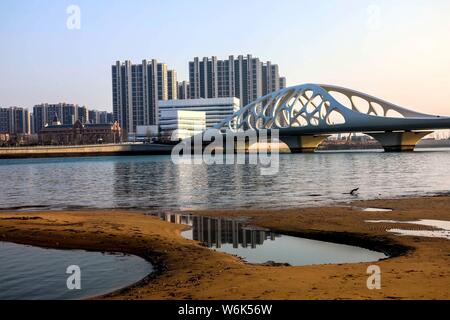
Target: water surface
(442, 226)
(31, 273)
(258, 245)
(154, 182)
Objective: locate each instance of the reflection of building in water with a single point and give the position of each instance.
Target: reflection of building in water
(177, 218)
(214, 232)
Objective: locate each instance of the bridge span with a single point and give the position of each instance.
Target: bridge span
(307, 114)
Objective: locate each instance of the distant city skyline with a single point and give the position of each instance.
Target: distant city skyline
(139, 88)
(395, 51)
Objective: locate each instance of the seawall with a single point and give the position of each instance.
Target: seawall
(85, 150)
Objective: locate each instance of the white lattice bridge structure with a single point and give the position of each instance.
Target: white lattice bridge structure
(307, 114)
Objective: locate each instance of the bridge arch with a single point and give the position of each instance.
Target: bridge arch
(314, 110)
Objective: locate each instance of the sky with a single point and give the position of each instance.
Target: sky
(397, 50)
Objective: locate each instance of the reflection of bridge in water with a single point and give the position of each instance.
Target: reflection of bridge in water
(215, 232)
(306, 115)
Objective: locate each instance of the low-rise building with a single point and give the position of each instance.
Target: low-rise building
(67, 113)
(144, 134)
(216, 109)
(79, 133)
(5, 138)
(184, 123)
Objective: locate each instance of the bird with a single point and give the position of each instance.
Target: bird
(354, 192)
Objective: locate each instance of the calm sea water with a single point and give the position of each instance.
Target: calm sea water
(155, 183)
(29, 273)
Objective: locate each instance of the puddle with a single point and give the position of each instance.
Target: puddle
(32, 273)
(377, 210)
(439, 224)
(258, 245)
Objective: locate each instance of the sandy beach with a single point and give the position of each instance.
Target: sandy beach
(418, 267)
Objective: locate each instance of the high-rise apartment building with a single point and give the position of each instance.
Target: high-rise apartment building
(100, 117)
(136, 90)
(244, 77)
(82, 114)
(15, 121)
(109, 118)
(31, 117)
(282, 82)
(67, 114)
(172, 87)
(271, 78)
(183, 90)
(94, 116)
(4, 120)
(225, 74)
(21, 121)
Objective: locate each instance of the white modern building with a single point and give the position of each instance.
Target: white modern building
(216, 109)
(186, 123)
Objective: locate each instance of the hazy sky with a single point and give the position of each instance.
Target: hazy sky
(395, 49)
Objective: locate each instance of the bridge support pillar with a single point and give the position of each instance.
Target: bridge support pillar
(399, 141)
(303, 144)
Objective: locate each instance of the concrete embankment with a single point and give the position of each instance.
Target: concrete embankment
(85, 150)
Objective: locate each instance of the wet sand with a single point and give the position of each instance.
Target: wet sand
(419, 268)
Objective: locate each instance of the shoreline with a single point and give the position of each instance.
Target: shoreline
(75, 151)
(151, 210)
(186, 270)
(154, 149)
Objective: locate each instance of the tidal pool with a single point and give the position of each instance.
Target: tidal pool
(257, 245)
(32, 273)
